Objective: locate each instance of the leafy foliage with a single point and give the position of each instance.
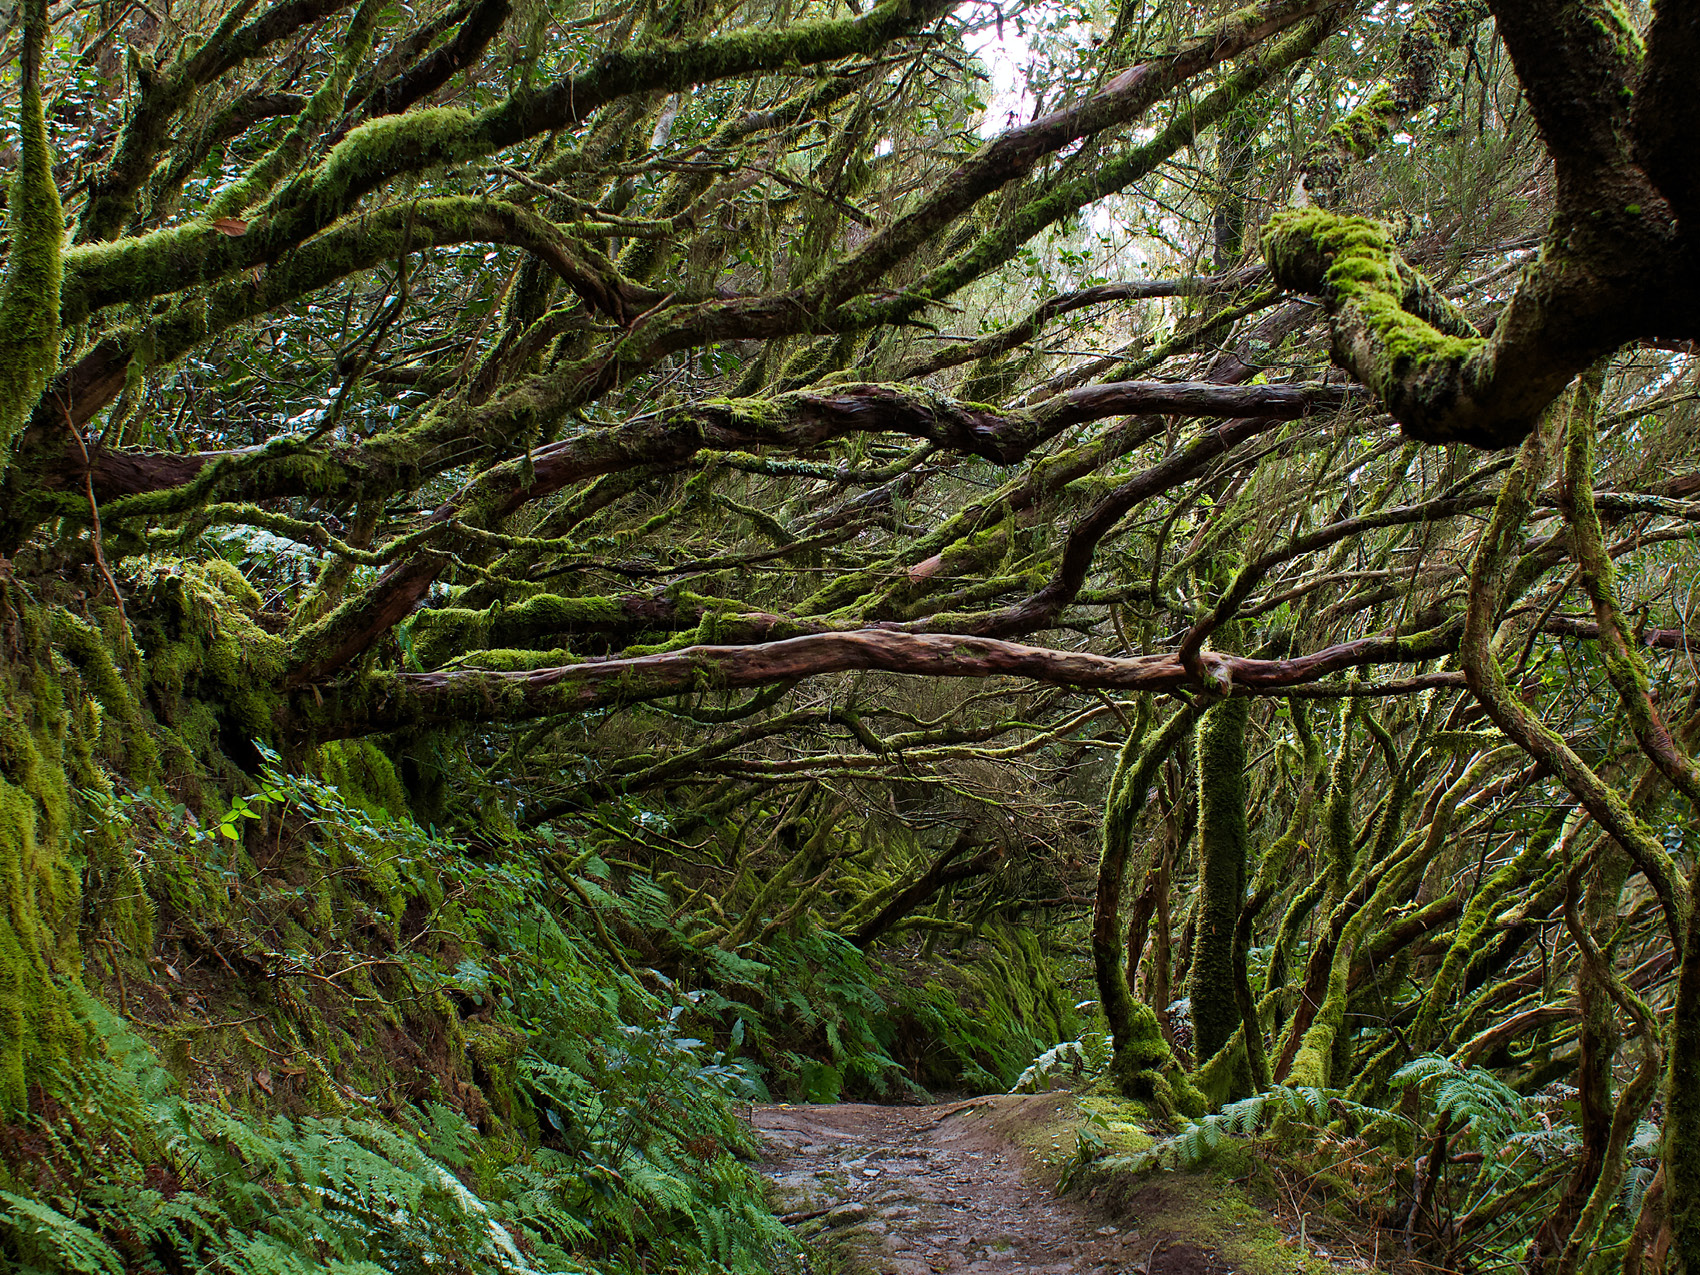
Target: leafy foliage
(1468, 1098)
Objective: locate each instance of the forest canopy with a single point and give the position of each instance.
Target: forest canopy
(698, 495)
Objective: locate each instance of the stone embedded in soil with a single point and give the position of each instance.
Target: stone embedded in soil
(845, 1214)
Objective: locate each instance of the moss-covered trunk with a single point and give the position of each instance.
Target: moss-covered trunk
(38, 924)
(1682, 1118)
(1142, 1066)
(1222, 873)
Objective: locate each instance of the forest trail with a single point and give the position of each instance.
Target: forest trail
(959, 1187)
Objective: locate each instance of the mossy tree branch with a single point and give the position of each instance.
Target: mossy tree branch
(1435, 31)
(29, 292)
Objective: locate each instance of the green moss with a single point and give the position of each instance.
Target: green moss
(321, 110)
(29, 294)
(1611, 19)
(418, 139)
(1351, 262)
(1207, 1210)
(40, 886)
(998, 1004)
(146, 265)
(211, 667)
(1312, 1063)
(1145, 1070)
(1362, 131)
(1338, 813)
(495, 1051)
(1120, 1122)
(1204, 1209)
(366, 778)
(37, 930)
(132, 743)
(441, 634)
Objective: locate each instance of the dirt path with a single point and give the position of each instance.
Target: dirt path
(914, 1190)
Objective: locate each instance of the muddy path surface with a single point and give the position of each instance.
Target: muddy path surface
(915, 1190)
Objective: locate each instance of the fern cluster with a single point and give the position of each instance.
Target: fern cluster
(1502, 1148)
(133, 1176)
(1087, 1056)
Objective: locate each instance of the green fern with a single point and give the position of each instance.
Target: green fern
(1470, 1098)
(1088, 1056)
(46, 1239)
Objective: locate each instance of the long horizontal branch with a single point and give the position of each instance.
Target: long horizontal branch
(381, 702)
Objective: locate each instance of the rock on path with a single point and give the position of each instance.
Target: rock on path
(915, 1190)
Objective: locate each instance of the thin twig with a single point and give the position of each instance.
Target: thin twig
(94, 521)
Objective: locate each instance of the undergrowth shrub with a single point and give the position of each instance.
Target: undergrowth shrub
(806, 1009)
(821, 1020)
(1086, 1057)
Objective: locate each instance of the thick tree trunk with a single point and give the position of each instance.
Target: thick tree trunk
(1222, 874)
(1682, 1119)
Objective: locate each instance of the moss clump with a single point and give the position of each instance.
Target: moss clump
(1200, 1209)
(1390, 328)
(1611, 19)
(212, 668)
(1352, 263)
(40, 892)
(1121, 1123)
(1362, 131)
(366, 778)
(1145, 1070)
(1204, 1209)
(49, 736)
(412, 141)
(495, 1051)
(131, 745)
(441, 634)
